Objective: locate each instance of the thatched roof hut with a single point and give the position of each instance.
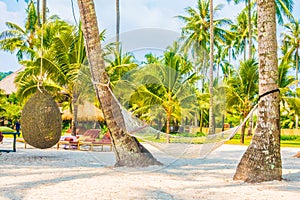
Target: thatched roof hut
(8, 85)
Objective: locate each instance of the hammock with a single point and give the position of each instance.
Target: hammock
(179, 146)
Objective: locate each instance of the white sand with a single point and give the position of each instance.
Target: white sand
(65, 174)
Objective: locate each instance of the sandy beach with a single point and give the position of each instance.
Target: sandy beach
(71, 174)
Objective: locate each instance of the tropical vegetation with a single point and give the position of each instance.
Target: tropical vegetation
(181, 87)
(58, 47)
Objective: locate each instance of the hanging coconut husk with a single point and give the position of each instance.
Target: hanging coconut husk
(41, 121)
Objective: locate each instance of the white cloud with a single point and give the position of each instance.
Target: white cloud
(9, 16)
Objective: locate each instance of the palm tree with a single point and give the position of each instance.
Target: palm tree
(241, 32)
(63, 55)
(200, 31)
(20, 40)
(196, 32)
(128, 151)
(203, 102)
(289, 101)
(197, 28)
(38, 10)
(283, 7)
(241, 90)
(249, 25)
(119, 65)
(64, 68)
(52, 34)
(262, 159)
(291, 47)
(161, 91)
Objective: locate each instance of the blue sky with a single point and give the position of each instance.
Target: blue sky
(135, 14)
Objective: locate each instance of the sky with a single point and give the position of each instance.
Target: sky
(158, 16)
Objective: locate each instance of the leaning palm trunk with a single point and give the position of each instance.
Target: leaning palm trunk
(262, 160)
(128, 151)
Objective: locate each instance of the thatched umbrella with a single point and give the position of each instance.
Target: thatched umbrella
(86, 112)
(89, 112)
(66, 115)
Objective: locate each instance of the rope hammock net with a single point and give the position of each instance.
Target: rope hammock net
(179, 146)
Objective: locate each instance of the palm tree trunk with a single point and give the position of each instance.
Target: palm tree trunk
(223, 122)
(249, 29)
(168, 128)
(262, 160)
(44, 7)
(128, 151)
(242, 139)
(229, 55)
(117, 24)
(250, 125)
(297, 79)
(38, 12)
(211, 69)
(201, 121)
(245, 50)
(74, 113)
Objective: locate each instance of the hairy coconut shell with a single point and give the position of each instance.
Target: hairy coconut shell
(41, 121)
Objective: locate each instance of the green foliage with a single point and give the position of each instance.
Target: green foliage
(10, 109)
(160, 93)
(6, 129)
(290, 137)
(200, 134)
(4, 74)
(282, 137)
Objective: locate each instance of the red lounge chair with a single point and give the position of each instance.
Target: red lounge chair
(89, 138)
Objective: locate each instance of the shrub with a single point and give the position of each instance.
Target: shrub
(290, 137)
(6, 129)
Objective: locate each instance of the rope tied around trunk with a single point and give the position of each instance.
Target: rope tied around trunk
(267, 93)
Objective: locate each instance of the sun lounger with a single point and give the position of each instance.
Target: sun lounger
(69, 141)
(89, 138)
